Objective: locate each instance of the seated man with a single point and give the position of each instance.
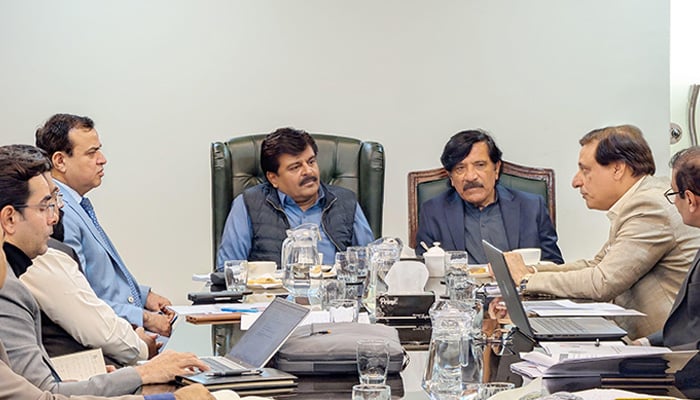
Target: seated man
(477, 207)
(78, 166)
(649, 249)
(73, 317)
(293, 195)
(15, 387)
(28, 211)
(682, 328)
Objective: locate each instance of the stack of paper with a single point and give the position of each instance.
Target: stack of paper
(568, 308)
(591, 359)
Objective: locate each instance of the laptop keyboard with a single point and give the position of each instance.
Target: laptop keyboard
(221, 364)
(558, 325)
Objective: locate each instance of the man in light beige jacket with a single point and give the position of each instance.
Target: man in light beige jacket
(649, 250)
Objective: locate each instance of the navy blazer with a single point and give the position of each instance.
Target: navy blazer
(527, 222)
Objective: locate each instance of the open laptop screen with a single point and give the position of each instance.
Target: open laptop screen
(268, 333)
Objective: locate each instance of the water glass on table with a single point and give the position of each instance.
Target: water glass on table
(236, 275)
(371, 392)
(358, 258)
(331, 290)
(484, 391)
(372, 360)
(343, 310)
(459, 285)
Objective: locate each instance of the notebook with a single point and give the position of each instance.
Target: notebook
(260, 342)
(552, 328)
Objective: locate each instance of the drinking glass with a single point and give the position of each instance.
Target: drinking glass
(236, 275)
(331, 290)
(459, 285)
(346, 271)
(343, 310)
(486, 390)
(372, 360)
(357, 257)
(371, 392)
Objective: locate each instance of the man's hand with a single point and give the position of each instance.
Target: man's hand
(497, 309)
(156, 302)
(193, 392)
(167, 365)
(517, 267)
(158, 323)
(150, 340)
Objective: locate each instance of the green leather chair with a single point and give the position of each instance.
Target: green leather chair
(343, 161)
(424, 185)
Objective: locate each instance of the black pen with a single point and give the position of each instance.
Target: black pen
(235, 372)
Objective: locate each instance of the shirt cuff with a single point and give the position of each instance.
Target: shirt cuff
(644, 341)
(160, 396)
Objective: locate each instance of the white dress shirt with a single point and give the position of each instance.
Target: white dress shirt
(66, 297)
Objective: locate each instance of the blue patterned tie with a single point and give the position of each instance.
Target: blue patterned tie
(87, 206)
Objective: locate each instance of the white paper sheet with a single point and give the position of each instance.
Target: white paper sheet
(79, 366)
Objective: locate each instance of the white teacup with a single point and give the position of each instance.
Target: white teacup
(435, 264)
(531, 256)
(257, 269)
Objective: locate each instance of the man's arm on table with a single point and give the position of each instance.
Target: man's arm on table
(66, 297)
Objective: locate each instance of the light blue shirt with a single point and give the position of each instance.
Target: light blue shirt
(236, 239)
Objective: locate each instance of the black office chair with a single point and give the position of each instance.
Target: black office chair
(424, 185)
(343, 161)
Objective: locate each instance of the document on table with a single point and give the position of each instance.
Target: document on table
(560, 351)
(80, 366)
(218, 308)
(568, 308)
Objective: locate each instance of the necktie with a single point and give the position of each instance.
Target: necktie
(87, 206)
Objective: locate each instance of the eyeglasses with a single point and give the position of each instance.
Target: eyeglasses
(49, 210)
(59, 200)
(670, 195)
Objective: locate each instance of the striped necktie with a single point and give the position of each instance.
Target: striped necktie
(87, 206)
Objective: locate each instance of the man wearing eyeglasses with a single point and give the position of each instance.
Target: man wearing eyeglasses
(649, 249)
(681, 331)
(28, 211)
(78, 167)
(476, 207)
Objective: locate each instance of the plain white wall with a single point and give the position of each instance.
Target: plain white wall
(164, 78)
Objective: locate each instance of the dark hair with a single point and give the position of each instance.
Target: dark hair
(283, 141)
(686, 164)
(18, 164)
(53, 136)
(460, 145)
(622, 143)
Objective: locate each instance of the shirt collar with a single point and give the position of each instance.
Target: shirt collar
(19, 262)
(67, 190)
(283, 197)
(620, 203)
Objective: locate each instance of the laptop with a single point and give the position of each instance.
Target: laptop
(551, 328)
(261, 341)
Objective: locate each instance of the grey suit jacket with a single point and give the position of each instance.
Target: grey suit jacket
(682, 328)
(15, 387)
(642, 264)
(20, 331)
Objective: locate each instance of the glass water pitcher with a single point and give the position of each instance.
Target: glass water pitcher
(299, 256)
(382, 253)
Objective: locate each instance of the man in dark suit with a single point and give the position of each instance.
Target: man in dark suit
(477, 207)
(682, 328)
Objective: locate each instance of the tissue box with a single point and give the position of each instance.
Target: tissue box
(408, 313)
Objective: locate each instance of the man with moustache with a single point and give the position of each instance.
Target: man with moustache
(28, 211)
(75, 150)
(293, 195)
(648, 251)
(477, 207)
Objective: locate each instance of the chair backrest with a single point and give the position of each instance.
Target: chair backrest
(343, 161)
(424, 185)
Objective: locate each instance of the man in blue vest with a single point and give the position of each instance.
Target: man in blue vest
(75, 150)
(293, 195)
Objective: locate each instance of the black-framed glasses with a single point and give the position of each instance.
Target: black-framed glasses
(49, 210)
(670, 195)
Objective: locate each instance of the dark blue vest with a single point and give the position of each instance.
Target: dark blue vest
(270, 222)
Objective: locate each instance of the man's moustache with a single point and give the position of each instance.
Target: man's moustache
(473, 185)
(307, 180)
